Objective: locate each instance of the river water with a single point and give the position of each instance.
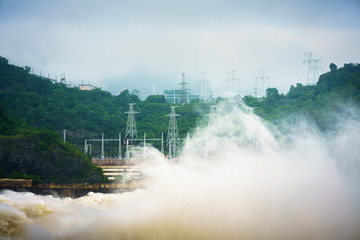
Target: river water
(236, 179)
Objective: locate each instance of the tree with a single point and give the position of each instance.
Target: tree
(333, 67)
(27, 69)
(156, 99)
(3, 60)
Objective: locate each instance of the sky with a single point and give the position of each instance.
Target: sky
(146, 45)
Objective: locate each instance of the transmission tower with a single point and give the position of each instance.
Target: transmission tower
(232, 84)
(314, 65)
(261, 80)
(173, 134)
(211, 115)
(131, 124)
(184, 92)
(205, 89)
(256, 89)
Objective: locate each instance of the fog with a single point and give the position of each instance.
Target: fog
(118, 45)
(237, 178)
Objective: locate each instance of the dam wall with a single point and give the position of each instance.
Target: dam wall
(72, 190)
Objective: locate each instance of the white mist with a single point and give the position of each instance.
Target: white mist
(236, 179)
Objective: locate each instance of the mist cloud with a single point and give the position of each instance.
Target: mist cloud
(288, 186)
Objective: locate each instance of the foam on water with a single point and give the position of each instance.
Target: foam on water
(244, 182)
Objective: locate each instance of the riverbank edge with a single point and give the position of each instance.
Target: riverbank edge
(73, 190)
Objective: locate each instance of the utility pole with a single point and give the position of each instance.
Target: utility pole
(119, 151)
(102, 147)
(62, 79)
(64, 135)
(173, 134)
(260, 80)
(144, 150)
(162, 143)
(184, 95)
(314, 65)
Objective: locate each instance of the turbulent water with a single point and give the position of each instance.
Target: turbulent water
(236, 179)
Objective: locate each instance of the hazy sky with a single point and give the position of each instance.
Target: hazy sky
(119, 45)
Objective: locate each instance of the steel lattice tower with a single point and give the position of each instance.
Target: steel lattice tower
(211, 115)
(232, 84)
(205, 89)
(131, 124)
(313, 68)
(173, 134)
(260, 81)
(256, 89)
(184, 96)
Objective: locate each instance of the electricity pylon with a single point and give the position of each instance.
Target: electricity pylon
(260, 81)
(184, 96)
(205, 88)
(232, 84)
(173, 134)
(131, 124)
(130, 130)
(211, 116)
(256, 89)
(314, 65)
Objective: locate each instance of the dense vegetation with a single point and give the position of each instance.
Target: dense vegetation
(84, 114)
(321, 102)
(39, 154)
(32, 109)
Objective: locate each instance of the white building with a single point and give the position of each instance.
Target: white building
(86, 87)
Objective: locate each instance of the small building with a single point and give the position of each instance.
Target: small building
(86, 87)
(175, 95)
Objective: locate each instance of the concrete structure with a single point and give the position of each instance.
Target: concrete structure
(174, 96)
(73, 190)
(121, 172)
(86, 87)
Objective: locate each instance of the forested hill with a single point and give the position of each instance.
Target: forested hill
(32, 108)
(84, 114)
(320, 102)
(39, 154)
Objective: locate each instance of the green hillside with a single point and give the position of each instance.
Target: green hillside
(84, 114)
(40, 154)
(34, 111)
(322, 103)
